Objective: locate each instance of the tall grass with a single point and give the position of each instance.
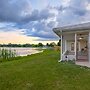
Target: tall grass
(7, 53)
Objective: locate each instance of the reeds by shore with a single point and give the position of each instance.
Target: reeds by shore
(7, 53)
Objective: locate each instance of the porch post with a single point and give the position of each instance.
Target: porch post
(79, 46)
(75, 46)
(65, 45)
(61, 49)
(89, 47)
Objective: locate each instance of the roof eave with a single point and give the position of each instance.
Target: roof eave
(58, 31)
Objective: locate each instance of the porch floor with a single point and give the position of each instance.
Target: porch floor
(83, 63)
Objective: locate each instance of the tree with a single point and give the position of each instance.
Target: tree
(59, 43)
(52, 44)
(27, 45)
(47, 44)
(40, 45)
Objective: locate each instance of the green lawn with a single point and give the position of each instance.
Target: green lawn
(43, 72)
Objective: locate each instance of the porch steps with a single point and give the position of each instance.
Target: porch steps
(82, 60)
(82, 57)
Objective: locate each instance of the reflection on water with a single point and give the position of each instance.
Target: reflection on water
(23, 51)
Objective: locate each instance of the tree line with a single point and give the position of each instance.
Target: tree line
(30, 45)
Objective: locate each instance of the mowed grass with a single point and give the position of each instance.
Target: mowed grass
(43, 72)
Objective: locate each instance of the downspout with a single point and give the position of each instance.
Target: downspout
(89, 47)
(75, 46)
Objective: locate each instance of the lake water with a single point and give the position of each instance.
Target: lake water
(24, 51)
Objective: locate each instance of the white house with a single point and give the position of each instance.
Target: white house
(75, 42)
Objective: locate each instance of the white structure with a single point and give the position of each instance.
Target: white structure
(75, 42)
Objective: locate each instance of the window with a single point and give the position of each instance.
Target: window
(72, 46)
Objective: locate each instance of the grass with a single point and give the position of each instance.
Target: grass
(42, 72)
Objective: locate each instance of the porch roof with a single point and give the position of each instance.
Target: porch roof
(72, 28)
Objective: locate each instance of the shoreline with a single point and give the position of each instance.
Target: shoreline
(24, 51)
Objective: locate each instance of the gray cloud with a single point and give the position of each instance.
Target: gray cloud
(40, 29)
(13, 10)
(39, 23)
(20, 11)
(74, 13)
(37, 15)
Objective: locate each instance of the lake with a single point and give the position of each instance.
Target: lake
(21, 51)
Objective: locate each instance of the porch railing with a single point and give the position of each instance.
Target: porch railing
(82, 55)
(69, 53)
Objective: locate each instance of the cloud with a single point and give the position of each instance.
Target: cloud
(39, 22)
(40, 29)
(37, 15)
(42, 24)
(14, 10)
(39, 4)
(74, 12)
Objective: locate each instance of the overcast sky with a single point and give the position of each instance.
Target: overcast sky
(32, 21)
